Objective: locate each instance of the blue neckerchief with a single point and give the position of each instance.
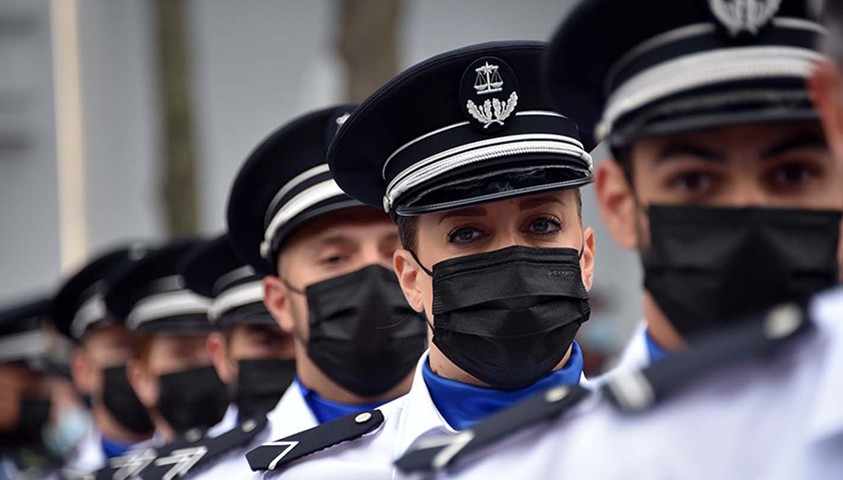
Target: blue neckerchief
(113, 448)
(656, 352)
(462, 405)
(326, 410)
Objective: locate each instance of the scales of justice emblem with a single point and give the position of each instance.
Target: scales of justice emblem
(492, 111)
(744, 16)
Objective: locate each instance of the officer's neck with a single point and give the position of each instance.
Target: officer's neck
(444, 367)
(315, 379)
(111, 429)
(659, 327)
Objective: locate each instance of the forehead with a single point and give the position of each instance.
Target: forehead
(559, 200)
(345, 223)
(739, 138)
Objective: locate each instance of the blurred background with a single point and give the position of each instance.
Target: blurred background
(127, 119)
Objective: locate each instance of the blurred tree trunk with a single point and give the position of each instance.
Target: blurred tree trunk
(178, 159)
(367, 42)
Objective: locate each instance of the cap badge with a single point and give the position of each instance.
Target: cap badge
(480, 82)
(744, 16)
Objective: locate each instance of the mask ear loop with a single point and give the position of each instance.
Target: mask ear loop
(290, 287)
(416, 258)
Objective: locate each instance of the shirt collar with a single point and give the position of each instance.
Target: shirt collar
(462, 404)
(327, 410)
(655, 352)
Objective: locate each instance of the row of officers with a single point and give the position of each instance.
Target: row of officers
(401, 283)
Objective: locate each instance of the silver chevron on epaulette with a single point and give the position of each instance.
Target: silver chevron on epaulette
(131, 464)
(182, 460)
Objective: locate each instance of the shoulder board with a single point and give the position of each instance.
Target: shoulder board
(438, 454)
(126, 466)
(281, 452)
(635, 390)
(180, 458)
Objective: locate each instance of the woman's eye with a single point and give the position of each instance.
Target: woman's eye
(545, 226)
(464, 235)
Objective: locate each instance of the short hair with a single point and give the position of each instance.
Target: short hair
(408, 226)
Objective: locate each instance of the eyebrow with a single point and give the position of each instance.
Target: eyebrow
(804, 140)
(529, 203)
(678, 149)
(464, 212)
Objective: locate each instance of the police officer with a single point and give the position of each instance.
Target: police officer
(719, 162)
(326, 265)
(250, 352)
(103, 346)
(30, 409)
(251, 355)
(173, 375)
(755, 398)
(482, 178)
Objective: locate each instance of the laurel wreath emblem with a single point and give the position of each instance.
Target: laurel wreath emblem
(493, 110)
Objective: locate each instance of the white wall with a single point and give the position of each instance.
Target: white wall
(29, 251)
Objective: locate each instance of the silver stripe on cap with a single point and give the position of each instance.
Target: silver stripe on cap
(490, 149)
(235, 297)
(93, 310)
(24, 345)
(237, 274)
(295, 182)
(695, 30)
(301, 202)
(703, 69)
(169, 304)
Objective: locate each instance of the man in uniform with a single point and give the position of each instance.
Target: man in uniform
(758, 397)
(326, 263)
(482, 179)
(251, 354)
(103, 346)
(31, 407)
(719, 159)
(173, 375)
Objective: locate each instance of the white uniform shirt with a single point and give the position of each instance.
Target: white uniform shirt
(779, 418)
(89, 455)
(406, 420)
(290, 416)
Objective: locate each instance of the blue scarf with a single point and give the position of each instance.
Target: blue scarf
(656, 352)
(326, 410)
(113, 448)
(462, 405)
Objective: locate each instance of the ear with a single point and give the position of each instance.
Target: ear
(826, 85)
(275, 295)
(143, 383)
(408, 272)
(218, 348)
(587, 260)
(82, 372)
(617, 203)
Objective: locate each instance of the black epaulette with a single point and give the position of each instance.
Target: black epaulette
(270, 456)
(636, 390)
(126, 466)
(438, 454)
(178, 459)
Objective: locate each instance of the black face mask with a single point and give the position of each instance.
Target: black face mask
(707, 266)
(33, 417)
(363, 335)
(120, 400)
(260, 384)
(194, 398)
(507, 317)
